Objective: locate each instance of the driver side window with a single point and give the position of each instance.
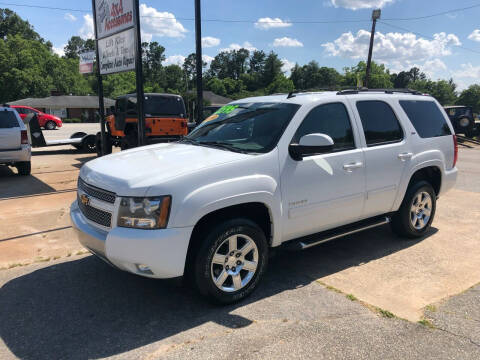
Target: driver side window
(332, 120)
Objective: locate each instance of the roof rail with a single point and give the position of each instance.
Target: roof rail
(5, 105)
(386, 91)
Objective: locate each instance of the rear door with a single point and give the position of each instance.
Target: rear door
(10, 138)
(386, 153)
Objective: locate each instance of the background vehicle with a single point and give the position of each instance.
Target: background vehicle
(165, 120)
(295, 170)
(15, 149)
(47, 121)
(462, 119)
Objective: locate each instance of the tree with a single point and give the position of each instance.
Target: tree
(174, 79)
(273, 68)
(442, 90)
(12, 24)
(379, 76)
(216, 85)
(76, 45)
(280, 85)
(470, 97)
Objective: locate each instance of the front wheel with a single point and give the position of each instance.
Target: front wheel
(50, 125)
(417, 211)
(231, 261)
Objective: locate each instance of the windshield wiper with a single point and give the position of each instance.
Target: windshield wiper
(223, 145)
(189, 141)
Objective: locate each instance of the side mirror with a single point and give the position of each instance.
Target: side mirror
(311, 144)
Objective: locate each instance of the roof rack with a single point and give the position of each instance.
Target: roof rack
(386, 91)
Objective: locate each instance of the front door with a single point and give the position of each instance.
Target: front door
(328, 190)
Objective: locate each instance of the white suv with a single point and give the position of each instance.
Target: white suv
(15, 149)
(294, 170)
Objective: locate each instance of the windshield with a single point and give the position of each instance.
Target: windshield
(158, 106)
(248, 127)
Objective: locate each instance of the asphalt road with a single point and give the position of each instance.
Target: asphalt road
(84, 309)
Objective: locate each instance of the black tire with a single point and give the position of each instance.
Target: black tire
(401, 221)
(202, 263)
(78, 135)
(50, 125)
(469, 133)
(24, 168)
(129, 141)
(89, 144)
(98, 144)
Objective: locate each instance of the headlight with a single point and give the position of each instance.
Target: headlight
(144, 213)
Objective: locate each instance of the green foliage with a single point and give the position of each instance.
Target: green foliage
(11, 24)
(379, 76)
(312, 76)
(470, 97)
(76, 45)
(442, 90)
(280, 85)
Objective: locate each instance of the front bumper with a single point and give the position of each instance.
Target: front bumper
(163, 251)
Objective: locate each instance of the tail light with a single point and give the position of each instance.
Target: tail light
(455, 151)
(24, 137)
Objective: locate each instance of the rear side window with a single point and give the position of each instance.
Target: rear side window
(332, 120)
(426, 118)
(379, 122)
(8, 120)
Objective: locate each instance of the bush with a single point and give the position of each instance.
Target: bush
(72, 121)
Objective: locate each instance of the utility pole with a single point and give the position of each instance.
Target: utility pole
(199, 60)
(101, 102)
(139, 80)
(375, 16)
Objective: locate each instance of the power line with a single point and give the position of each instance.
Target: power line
(423, 35)
(193, 19)
(434, 15)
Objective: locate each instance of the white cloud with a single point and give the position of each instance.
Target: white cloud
(146, 37)
(174, 59)
(475, 35)
(70, 17)
(398, 49)
(360, 4)
(208, 59)
(60, 51)
(287, 42)
(287, 66)
(210, 41)
(468, 71)
(267, 23)
(87, 31)
(246, 45)
(162, 24)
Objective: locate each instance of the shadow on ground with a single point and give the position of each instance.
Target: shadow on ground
(84, 309)
(13, 185)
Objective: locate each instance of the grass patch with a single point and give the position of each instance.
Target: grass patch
(386, 313)
(11, 266)
(427, 323)
(351, 297)
(39, 259)
(431, 308)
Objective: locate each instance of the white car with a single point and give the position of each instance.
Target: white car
(294, 170)
(15, 148)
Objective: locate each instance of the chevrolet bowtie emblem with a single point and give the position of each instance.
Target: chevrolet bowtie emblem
(84, 199)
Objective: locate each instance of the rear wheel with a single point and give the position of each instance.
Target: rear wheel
(231, 261)
(50, 125)
(417, 211)
(88, 144)
(24, 168)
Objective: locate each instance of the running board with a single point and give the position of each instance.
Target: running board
(322, 237)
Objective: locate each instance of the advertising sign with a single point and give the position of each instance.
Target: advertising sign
(86, 62)
(117, 52)
(113, 16)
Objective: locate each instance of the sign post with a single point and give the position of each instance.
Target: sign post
(119, 48)
(101, 102)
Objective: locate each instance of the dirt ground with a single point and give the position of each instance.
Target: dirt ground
(402, 277)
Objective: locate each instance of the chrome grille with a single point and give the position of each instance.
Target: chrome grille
(98, 216)
(95, 192)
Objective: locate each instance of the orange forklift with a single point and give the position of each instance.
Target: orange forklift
(165, 120)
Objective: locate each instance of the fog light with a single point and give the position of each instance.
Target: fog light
(144, 269)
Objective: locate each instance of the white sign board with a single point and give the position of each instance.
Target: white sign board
(117, 52)
(86, 62)
(113, 16)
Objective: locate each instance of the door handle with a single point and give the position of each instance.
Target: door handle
(352, 166)
(405, 156)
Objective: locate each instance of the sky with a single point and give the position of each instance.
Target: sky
(335, 33)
